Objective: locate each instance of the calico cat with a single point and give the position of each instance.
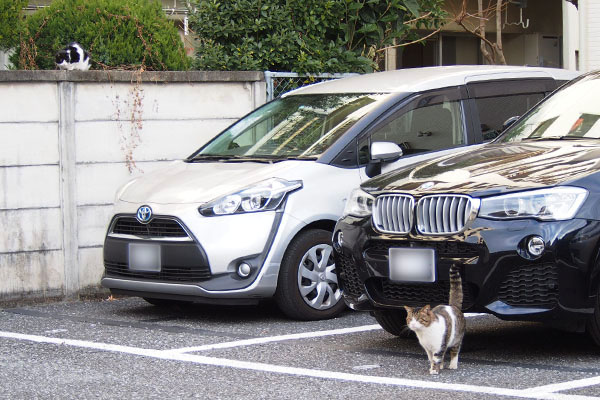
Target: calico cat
(442, 328)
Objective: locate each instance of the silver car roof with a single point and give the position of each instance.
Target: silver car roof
(427, 78)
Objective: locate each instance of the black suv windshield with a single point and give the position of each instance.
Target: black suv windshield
(300, 126)
(571, 113)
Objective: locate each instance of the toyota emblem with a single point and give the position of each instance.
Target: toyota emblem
(144, 214)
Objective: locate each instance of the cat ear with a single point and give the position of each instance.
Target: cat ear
(427, 308)
(408, 309)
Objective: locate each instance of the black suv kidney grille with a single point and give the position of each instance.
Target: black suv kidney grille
(532, 285)
(421, 294)
(157, 228)
(393, 213)
(443, 249)
(347, 271)
(167, 273)
(444, 214)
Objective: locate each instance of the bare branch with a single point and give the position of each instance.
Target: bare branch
(409, 43)
(418, 18)
(498, 45)
(491, 50)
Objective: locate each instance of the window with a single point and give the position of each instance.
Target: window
(573, 113)
(292, 126)
(431, 122)
(494, 111)
(497, 101)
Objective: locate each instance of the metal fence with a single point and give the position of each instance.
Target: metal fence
(280, 82)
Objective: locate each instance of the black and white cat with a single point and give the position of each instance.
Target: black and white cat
(442, 328)
(73, 57)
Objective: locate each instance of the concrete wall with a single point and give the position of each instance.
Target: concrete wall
(69, 139)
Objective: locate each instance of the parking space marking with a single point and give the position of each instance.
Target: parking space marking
(557, 387)
(279, 338)
(293, 336)
(542, 392)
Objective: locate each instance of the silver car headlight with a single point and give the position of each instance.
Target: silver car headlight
(359, 204)
(262, 196)
(554, 204)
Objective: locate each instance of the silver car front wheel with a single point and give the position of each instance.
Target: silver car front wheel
(307, 288)
(317, 280)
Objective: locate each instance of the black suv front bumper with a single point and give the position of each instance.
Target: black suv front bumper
(498, 277)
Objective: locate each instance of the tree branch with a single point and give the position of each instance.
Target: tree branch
(409, 43)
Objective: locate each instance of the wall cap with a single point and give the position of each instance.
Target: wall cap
(131, 76)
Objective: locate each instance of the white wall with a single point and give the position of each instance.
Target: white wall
(68, 140)
(4, 62)
(581, 38)
(570, 36)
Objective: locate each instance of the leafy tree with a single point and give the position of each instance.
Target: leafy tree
(11, 16)
(305, 35)
(373, 26)
(117, 34)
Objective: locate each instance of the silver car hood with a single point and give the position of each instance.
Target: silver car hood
(182, 182)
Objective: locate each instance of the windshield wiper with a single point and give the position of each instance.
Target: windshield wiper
(271, 159)
(213, 157)
(258, 158)
(559, 138)
(300, 158)
(232, 158)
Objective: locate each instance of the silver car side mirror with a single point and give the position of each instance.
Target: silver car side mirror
(509, 122)
(385, 151)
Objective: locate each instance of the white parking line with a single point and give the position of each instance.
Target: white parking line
(294, 336)
(557, 387)
(542, 392)
(280, 338)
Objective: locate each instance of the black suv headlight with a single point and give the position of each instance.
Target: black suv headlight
(553, 204)
(359, 204)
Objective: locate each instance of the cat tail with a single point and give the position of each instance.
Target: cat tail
(456, 291)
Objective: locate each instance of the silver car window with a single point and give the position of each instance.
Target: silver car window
(298, 126)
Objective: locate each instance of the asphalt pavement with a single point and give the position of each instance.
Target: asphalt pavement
(128, 349)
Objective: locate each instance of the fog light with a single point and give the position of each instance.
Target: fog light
(535, 246)
(244, 270)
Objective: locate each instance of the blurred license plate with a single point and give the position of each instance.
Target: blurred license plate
(144, 257)
(412, 265)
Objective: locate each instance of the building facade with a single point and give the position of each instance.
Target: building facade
(534, 32)
(550, 33)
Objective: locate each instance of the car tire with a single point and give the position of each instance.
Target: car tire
(307, 287)
(394, 322)
(593, 323)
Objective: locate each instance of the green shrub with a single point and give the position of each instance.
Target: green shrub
(303, 35)
(117, 33)
(276, 35)
(10, 22)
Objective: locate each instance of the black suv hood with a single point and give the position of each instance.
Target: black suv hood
(496, 168)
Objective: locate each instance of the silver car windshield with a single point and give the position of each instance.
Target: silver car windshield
(299, 126)
(572, 113)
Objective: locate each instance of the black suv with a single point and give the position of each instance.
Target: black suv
(520, 215)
